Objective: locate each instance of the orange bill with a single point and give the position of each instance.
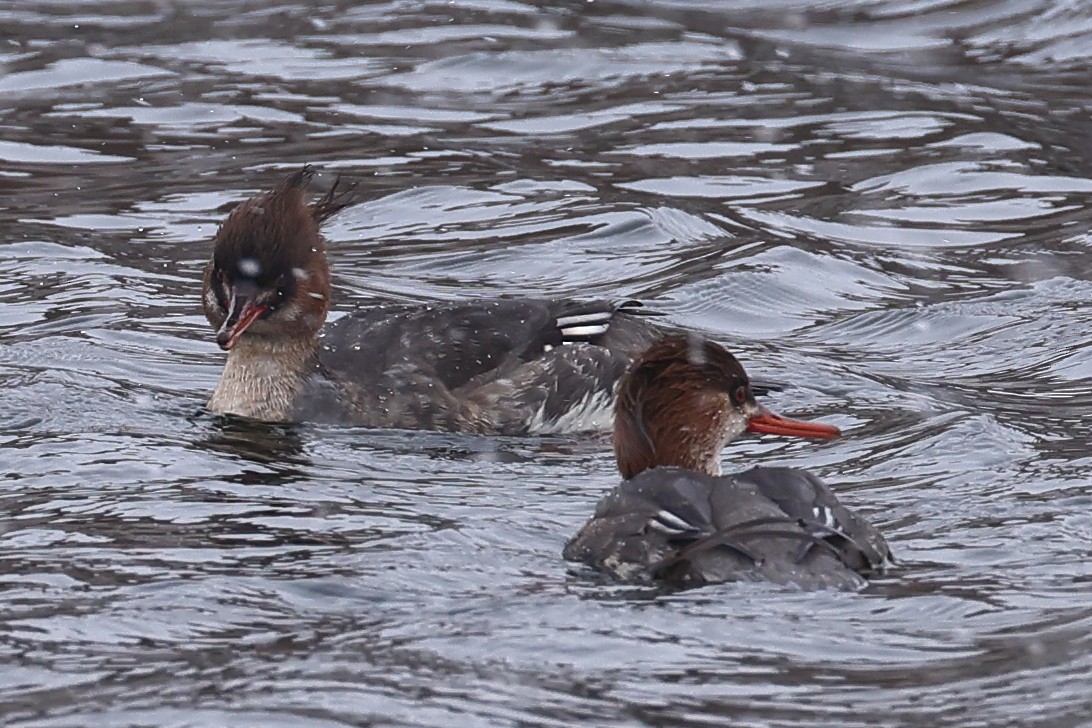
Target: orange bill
(768, 423)
(229, 334)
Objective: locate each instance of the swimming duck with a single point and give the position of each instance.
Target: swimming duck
(502, 365)
(677, 520)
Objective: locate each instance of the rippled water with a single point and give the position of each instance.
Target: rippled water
(883, 203)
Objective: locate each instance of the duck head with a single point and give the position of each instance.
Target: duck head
(268, 276)
(683, 400)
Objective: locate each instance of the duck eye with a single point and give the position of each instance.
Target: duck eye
(282, 289)
(740, 394)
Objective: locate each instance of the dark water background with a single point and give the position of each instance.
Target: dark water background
(884, 203)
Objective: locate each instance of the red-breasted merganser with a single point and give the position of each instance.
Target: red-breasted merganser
(510, 366)
(677, 520)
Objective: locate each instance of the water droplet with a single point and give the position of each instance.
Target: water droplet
(250, 267)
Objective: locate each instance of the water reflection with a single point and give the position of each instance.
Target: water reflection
(258, 442)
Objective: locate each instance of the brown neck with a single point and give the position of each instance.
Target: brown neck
(264, 376)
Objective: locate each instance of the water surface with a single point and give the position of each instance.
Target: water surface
(882, 203)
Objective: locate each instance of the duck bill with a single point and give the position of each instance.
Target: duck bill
(243, 313)
(767, 423)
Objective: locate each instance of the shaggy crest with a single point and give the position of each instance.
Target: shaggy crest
(276, 232)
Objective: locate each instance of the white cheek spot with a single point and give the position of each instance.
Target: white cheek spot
(249, 267)
(300, 274)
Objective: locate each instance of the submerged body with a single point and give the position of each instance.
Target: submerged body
(678, 521)
(509, 366)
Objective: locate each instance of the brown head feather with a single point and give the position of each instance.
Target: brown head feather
(271, 243)
(674, 403)
(270, 234)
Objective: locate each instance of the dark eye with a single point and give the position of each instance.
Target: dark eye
(282, 289)
(740, 395)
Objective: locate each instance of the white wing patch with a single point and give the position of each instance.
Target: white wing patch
(591, 414)
(825, 516)
(584, 318)
(584, 325)
(574, 332)
(667, 522)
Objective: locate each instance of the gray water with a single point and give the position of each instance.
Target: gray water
(882, 203)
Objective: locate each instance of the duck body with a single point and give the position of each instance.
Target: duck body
(508, 366)
(686, 529)
(501, 366)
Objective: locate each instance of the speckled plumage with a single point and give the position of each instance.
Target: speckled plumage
(482, 366)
